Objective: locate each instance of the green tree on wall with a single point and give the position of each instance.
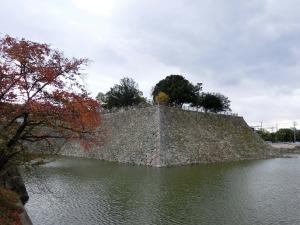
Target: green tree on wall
(179, 90)
(126, 93)
(213, 102)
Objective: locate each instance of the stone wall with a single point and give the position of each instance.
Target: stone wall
(164, 136)
(129, 137)
(191, 137)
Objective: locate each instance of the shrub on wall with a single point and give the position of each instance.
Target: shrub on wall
(162, 98)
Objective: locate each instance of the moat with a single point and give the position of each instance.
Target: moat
(85, 191)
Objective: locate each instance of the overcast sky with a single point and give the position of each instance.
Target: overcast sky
(249, 50)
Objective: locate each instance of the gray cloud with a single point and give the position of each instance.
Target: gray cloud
(248, 50)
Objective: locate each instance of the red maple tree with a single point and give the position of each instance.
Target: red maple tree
(42, 98)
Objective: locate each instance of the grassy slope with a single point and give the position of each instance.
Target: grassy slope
(9, 211)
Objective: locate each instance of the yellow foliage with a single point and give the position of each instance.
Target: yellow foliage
(162, 98)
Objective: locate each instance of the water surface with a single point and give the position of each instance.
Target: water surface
(89, 192)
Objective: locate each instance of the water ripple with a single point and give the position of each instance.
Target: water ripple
(88, 192)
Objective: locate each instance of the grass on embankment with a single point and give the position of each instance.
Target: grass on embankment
(9, 209)
(10, 203)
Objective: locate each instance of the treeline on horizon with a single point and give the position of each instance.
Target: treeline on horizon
(174, 90)
(282, 135)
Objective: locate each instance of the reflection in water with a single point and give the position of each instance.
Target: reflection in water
(85, 191)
